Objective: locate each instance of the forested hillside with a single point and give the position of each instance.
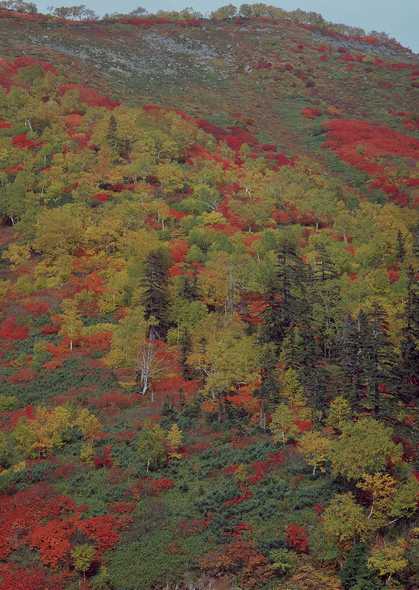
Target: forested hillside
(208, 304)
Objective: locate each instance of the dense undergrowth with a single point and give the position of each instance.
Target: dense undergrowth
(208, 339)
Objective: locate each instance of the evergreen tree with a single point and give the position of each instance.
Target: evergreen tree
(401, 248)
(350, 354)
(409, 351)
(367, 357)
(286, 296)
(269, 387)
(155, 297)
(188, 288)
(378, 356)
(325, 268)
(185, 349)
(355, 572)
(111, 134)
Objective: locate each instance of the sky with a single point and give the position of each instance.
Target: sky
(398, 18)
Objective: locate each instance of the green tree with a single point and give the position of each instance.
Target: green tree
(355, 572)
(5, 451)
(315, 448)
(225, 357)
(409, 347)
(404, 502)
(339, 413)
(83, 556)
(363, 447)
(151, 445)
(71, 324)
(283, 424)
(224, 12)
(389, 559)
(174, 441)
(344, 520)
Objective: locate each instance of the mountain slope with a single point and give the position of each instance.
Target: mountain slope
(208, 306)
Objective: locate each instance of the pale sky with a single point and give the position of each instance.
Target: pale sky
(398, 18)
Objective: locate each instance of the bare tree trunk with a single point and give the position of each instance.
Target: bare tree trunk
(144, 364)
(262, 417)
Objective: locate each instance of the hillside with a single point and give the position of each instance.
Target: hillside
(208, 305)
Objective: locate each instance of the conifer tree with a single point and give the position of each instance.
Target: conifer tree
(174, 441)
(409, 351)
(401, 247)
(155, 296)
(325, 268)
(378, 356)
(269, 386)
(285, 295)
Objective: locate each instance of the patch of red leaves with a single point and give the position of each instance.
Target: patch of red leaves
(36, 307)
(11, 330)
(89, 96)
(21, 516)
(9, 68)
(22, 142)
(262, 467)
(309, 113)
(297, 538)
(364, 146)
(102, 530)
(155, 487)
(14, 577)
(24, 375)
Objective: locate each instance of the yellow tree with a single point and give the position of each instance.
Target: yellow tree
(381, 488)
(339, 413)
(389, 559)
(83, 556)
(283, 425)
(174, 441)
(315, 448)
(363, 447)
(71, 324)
(344, 520)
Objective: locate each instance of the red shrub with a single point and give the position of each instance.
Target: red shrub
(311, 113)
(101, 197)
(53, 541)
(242, 558)
(262, 467)
(318, 509)
(104, 458)
(13, 577)
(21, 516)
(37, 307)
(50, 329)
(393, 275)
(297, 538)
(193, 526)
(102, 530)
(123, 507)
(23, 375)
(178, 250)
(155, 487)
(22, 142)
(10, 330)
(114, 399)
(89, 96)
(246, 495)
(304, 425)
(363, 145)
